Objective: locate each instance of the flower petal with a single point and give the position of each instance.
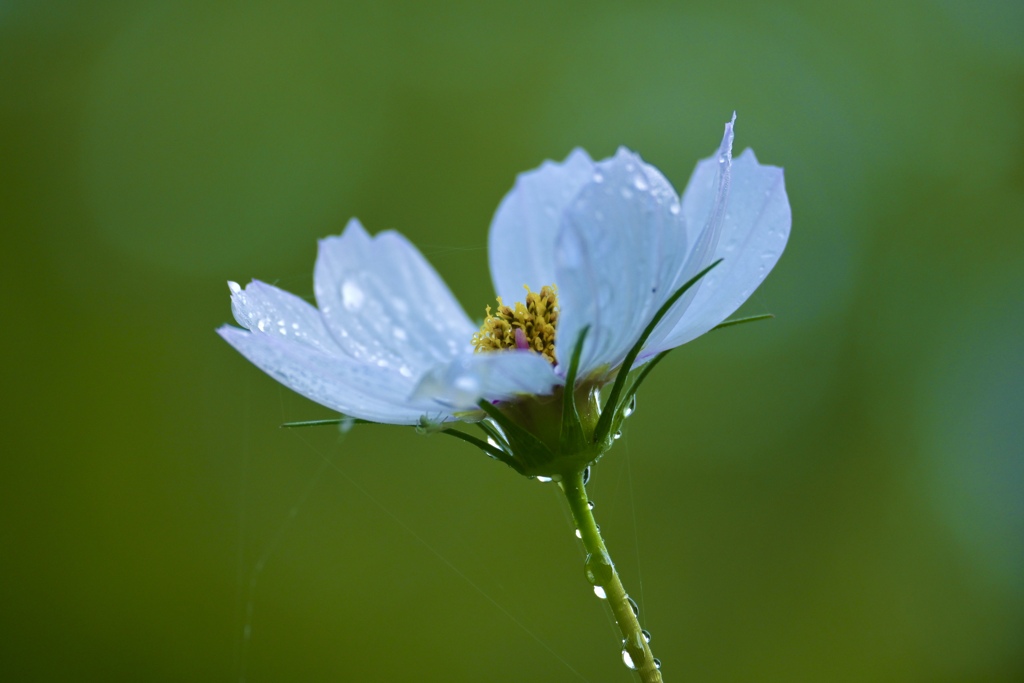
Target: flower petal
(336, 381)
(754, 232)
(495, 376)
(621, 245)
(385, 304)
(264, 308)
(522, 237)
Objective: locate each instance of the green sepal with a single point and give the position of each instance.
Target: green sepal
(496, 453)
(528, 449)
(604, 425)
(741, 321)
(345, 419)
(639, 376)
(571, 438)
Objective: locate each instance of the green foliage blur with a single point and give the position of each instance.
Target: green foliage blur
(833, 495)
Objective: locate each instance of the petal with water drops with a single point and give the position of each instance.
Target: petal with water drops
(265, 309)
(385, 305)
(334, 380)
(620, 247)
(753, 235)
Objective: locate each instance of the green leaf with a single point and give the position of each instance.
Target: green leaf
(604, 425)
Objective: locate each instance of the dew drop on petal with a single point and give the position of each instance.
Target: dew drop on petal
(400, 334)
(640, 184)
(234, 287)
(598, 178)
(352, 295)
(405, 371)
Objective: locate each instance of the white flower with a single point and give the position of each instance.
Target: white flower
(387, 341)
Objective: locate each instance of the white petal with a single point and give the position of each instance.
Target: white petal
(496, 376)
(263, 308)
(620, 247)
(522, 237)
(336, 381)
(385, 304)
(753, 235)
(704, 205)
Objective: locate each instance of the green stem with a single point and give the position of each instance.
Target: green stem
(601, 572)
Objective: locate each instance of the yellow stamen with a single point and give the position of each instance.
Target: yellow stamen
(527, 326)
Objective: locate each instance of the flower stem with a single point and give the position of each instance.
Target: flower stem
(601, 572)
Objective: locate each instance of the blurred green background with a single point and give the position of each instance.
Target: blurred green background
(835, 495)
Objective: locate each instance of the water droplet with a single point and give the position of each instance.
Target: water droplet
(657, 663)
(631, 408)
(262, 325)
(543, 479)
(640, 184)
(628, 660)
(586, 475)
(599, 592)
(579, 534)
(597, 569)
(405, 371)
(400, 334)
(633, 606)
(674, 209)
(234, 287)
(590, 505)
(617, 435)
(352, 296)
(598, 178)
(646, 634)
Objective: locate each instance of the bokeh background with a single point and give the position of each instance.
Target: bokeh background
(834, 495)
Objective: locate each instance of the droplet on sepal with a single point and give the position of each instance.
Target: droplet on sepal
(617, 435)
(631, 408)
(542, 479)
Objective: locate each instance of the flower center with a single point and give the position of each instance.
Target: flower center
(526, 326)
